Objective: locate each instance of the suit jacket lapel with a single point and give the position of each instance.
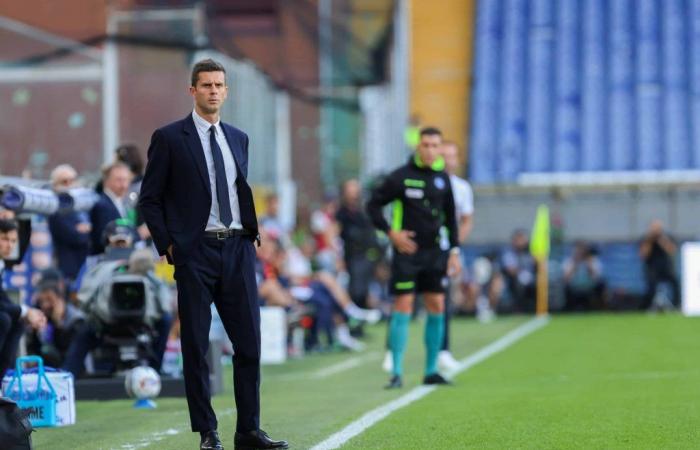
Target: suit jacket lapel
(235, 150)
(194, 145)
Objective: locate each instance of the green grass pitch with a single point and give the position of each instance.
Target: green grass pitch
(588, 382)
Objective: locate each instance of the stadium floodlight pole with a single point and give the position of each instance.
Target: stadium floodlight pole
(539, 248)
(110, 88)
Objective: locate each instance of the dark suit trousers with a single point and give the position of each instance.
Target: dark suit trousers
(222, 272)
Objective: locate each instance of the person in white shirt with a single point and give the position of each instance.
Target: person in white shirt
(464, 208)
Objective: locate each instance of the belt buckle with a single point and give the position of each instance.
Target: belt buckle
(221, 235)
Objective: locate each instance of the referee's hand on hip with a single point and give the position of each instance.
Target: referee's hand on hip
(403, 241)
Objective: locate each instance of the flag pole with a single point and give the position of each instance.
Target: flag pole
(542, 287)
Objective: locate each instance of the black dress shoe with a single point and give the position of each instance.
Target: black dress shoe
(211, 441)
(256, 439)
(394, 383)
(436, 378)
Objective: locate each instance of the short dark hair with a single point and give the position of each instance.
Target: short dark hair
(430, 131)
(205, 65)
(49, 286)
(7, 225)
(130, 155)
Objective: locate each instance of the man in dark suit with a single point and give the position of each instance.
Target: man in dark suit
(112, 204)
(70, 231)
(13, 317)
(199, 209)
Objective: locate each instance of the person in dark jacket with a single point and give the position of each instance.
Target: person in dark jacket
(13, 317)
(361, 250)
(423, 204)
(112, 205)
(70, 231)
(657, 251)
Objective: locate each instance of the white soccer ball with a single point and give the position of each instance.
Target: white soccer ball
(142, 382)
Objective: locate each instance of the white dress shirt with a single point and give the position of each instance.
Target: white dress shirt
(463, 195)
(117, 201)
(214, 222)
(464, 205)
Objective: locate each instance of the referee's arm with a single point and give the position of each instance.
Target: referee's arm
(386, 192)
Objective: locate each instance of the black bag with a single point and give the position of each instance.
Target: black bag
(15, 429)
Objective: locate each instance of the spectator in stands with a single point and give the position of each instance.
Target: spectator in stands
(112, 204)
(518, 268)
(326, 234)
(291, 285)
(273, 284)
(271, 221)
(361, 250)
(657, 251)
(13, 317)
(583, 279)
(64, 322)
(130, 155)
(70, 231)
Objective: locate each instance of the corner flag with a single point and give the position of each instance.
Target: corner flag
(539, 248)
(539, 241)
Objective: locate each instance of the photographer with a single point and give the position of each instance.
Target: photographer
(583, 278)
(95, 296)
(519, 272)
(64, 323)
(657, 251)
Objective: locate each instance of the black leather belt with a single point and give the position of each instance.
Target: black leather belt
(220, 235)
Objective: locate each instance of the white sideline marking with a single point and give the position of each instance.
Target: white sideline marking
(160, 435)
(353, 429)
(328, 371)
(342, 366)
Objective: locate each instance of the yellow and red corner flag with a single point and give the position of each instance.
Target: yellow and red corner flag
(539, 248)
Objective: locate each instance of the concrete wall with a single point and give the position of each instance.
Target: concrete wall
(622, 214)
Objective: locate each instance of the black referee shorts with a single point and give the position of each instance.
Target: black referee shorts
(423, 271)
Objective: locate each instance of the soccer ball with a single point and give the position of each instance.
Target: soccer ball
(142, 382)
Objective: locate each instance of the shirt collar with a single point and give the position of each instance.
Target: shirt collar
(112, 196)
(202, 124)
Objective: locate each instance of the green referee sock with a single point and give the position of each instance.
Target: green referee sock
(434, 332)
(398, 336)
